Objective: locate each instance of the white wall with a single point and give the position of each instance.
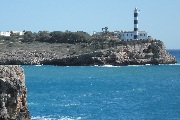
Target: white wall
(142, 35)
(127, 36)
(123, 35)
(7, 33)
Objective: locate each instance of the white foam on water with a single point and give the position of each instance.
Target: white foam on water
(135, 65)
(54, 118)
(38, 65)
(43, 118)
(109, 66)
(70, 118)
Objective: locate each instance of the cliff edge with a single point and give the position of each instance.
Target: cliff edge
(13, 93)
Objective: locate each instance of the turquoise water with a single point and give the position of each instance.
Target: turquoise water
(148, 92)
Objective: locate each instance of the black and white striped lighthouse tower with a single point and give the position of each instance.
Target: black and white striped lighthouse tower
(136, 11)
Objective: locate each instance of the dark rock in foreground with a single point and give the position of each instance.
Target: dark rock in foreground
(13, 93)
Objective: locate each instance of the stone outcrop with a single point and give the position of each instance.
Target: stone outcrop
(13, 93)
(153, 52)
(127, 53)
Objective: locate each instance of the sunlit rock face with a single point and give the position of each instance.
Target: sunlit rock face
(13, 93)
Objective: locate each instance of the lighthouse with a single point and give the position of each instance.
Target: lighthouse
(136, 11)
(135, 34)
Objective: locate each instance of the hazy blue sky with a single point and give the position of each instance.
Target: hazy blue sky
(160, 18)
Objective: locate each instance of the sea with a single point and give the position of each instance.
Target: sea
(136, 92)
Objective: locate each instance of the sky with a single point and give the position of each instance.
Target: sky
(160, 18)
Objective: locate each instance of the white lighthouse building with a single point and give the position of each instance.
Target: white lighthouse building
(132, 35)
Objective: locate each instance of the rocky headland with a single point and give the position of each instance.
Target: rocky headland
(13, 93)
(99, 53)
(137, 54)
(80, 48)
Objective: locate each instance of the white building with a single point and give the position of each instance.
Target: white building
(8, 33)
(129, 35)
(132, 35)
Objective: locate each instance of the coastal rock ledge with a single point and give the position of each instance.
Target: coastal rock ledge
(13, 93)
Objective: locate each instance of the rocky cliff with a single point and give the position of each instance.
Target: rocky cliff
(13, 93)
(153, 52)
(124, 53)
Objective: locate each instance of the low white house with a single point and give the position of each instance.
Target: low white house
(129, 35)
(8, 33)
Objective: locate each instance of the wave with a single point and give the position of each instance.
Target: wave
(136, 65)
(55, 118)
(109, 66)
(38, 65)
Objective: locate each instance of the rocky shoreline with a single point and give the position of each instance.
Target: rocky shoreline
(119, 56)
(152, 52)
(13, 93)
